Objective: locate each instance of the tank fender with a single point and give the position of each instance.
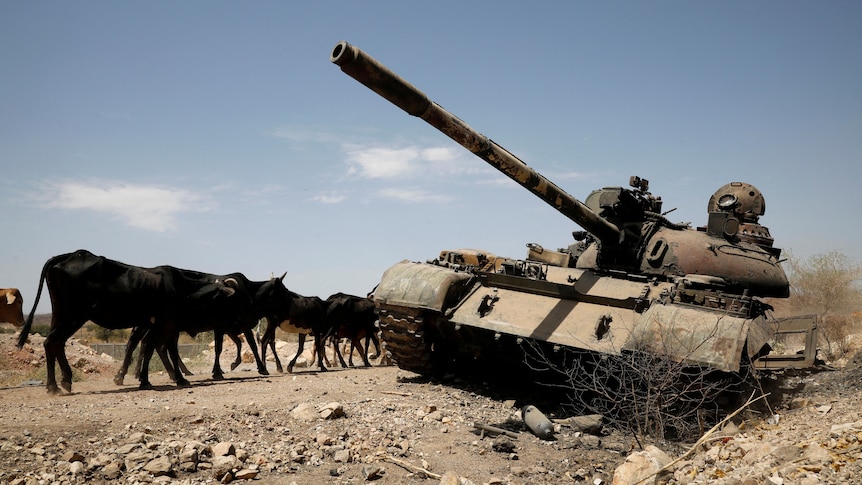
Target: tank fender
(421, 285)
(711, 339)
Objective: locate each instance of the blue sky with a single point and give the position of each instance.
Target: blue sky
(217, 136)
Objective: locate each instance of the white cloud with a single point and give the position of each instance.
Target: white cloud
(441, 154)
(383, 162)
(329, 198)
(148, 207)
(413, 195)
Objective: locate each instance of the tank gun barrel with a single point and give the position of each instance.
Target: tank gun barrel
(360, 66)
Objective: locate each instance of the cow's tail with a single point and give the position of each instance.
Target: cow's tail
(25, 332)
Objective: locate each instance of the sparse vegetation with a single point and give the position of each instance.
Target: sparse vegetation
(826, 285)
(41, 328)
(641, 392)
(103, 334)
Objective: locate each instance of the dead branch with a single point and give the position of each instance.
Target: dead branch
(396, 393)
(411, 467)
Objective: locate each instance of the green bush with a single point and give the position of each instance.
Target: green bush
(41, 328)
(103, 334)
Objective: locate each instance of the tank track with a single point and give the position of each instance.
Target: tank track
(405, 334)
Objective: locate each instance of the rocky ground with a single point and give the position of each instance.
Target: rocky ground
(384, 425)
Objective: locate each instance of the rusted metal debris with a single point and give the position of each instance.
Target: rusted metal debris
(494, 429)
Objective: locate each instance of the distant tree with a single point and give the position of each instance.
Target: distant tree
(101, 333)
(825, 284)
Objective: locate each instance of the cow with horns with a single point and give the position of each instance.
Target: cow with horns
(239, 316)
(164, 300)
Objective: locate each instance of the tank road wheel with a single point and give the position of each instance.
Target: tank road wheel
(406, 337)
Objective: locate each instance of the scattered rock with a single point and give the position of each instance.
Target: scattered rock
(641, 467)
(72, 456)
(160, 466)
(503, 445)
(305, 412)
(224, 449)
(450, 478)
(372, 472)
(246, 474)
(332, 410)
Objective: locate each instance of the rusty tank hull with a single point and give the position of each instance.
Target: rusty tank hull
(426, 308)
(633, 281)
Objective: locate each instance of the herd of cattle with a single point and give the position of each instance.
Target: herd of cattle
(158, 303)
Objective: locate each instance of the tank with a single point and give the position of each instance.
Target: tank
(631, 280)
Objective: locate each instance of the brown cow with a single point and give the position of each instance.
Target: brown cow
(11, 305)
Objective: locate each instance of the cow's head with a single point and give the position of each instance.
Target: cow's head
(12, 311)
(273, 299)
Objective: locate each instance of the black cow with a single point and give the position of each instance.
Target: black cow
(164, 300)
(253, 300)
(85, 287)
(339, 316)
(306, 315)
(354, 318)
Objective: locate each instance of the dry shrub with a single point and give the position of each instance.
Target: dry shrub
(642, 393)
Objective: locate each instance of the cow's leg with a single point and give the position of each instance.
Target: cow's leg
(356, 341)
(275, 355)
(263, 341)
(320, 342)
(134, 339)
(146, 355)
(166, 362)
(217, 373)
(315, 353)
(268, 338)
(298, 353)
(137, 335)
(261, 365)
(65, 371)
(335, 342)
(55, 344)
(172, 344)
(182, 366)
(372, 337)
(51, 360)
(238, 342)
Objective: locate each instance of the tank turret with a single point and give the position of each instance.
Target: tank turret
(627, 231)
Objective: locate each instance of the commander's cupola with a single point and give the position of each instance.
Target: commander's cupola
(734, 210)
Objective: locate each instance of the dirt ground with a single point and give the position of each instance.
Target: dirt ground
(411, 430)
(395, 428)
